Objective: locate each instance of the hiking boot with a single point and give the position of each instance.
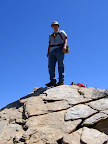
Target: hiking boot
(60, 83)
(73, 83)
(50, 84)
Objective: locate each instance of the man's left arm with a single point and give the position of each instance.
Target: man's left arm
(65, 44)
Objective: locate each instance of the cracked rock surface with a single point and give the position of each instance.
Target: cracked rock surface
(66, 114)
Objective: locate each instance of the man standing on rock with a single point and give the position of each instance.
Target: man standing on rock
(56, 50)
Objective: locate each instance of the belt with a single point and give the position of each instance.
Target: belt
(56, 45)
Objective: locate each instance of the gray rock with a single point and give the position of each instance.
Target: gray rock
(94, 119)
(78, 112)
(93, 136)
(105, 111)
(99, 105)
(93, 93)
(65, 92)
(3, 124)
(86, 92)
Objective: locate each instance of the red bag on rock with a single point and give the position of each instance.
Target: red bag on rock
(81, 85)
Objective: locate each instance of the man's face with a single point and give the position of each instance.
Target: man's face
(55, 27)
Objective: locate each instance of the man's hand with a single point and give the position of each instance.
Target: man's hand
(64, 49)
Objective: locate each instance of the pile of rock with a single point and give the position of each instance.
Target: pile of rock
(65, 114)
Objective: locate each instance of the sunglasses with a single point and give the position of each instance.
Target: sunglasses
(54, 24)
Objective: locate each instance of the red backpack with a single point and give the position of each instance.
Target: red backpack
(81, 85)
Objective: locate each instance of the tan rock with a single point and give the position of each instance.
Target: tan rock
(78, 112)
(35, 106)
(94, 119)
(93, 136)
(3, 125)
(9, 132)
(11, 114)
(54, 115)
(52, 126)
(73, 138)
(18, 136)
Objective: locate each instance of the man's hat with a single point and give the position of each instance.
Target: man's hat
(54, 23)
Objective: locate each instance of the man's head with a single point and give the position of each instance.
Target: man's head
(55, 25)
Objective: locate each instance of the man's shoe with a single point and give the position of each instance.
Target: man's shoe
(60, 83)
(50, 84)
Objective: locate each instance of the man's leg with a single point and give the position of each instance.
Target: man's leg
(60, 59)
(51, 66)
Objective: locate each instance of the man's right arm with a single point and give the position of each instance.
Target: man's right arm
(49, 49)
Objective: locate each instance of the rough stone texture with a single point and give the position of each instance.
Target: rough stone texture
(10, 114)
(93, 93)
(56, 115)
(94, 119)
(36, 106)
(105, 111)
(9, 132)
(2, 126)
(65, 92)
(99, 105)
(93, 136)
(79, 111)
(73, 138)
(52, 126)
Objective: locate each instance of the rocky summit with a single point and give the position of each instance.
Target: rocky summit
(66, 114)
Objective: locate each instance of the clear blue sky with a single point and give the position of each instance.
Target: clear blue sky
(24, 32)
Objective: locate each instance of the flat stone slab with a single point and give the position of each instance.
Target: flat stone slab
(99, 105)
(79, 100)
(95, 118)
(35, 106)
(52, 126)
(93, 136)
(65, 92)
(78, 112)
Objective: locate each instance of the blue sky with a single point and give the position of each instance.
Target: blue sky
(24, 32)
